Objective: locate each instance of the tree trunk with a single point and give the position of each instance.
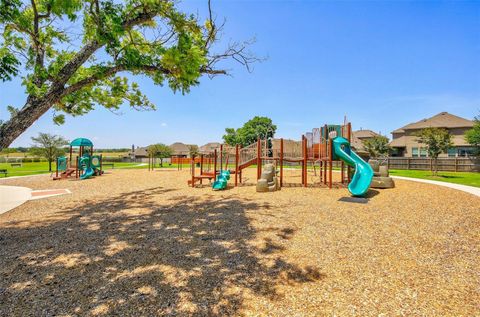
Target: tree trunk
(35, 107)
(161, 162)
(49, 165)
(14, 127)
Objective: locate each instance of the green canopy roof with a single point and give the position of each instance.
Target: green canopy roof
(81, 142)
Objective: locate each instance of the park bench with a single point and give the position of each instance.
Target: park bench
(16, 164)
(108, 164)
(4, 172)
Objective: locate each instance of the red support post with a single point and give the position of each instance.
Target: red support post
(330, 163)
(236, 164)
(221, 157)
(215, 164)
(305, 162)
(259, 159)
(193, 172)
(281, 162)
(349, 134)
(71, 151)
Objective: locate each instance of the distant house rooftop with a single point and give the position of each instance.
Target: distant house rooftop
(359, 136)
(365, 134)
(209, 147)
(139, 152)
(441, 120)
(179, 148)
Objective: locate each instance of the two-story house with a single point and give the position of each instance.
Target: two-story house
(405, 143)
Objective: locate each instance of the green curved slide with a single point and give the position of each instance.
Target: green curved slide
(221, 181)
(360, 182)
(85, 164)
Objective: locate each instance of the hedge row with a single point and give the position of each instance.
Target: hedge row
(21, 160)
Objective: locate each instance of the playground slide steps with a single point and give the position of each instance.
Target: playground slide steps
(65, 174)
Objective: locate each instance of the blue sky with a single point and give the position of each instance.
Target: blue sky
(382, 64)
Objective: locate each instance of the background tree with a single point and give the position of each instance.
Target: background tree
(437, 141)
(193, 150)
(48, 146)
(230, 137)
(6, 152)
(262, 127)
(160, 151)
(74, 71)
(473, 135)
(377, 146)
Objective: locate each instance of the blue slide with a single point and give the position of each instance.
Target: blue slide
(85, 164)
(362, 178)
(87, 173)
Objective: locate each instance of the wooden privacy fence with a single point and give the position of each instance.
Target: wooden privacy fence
(452, 164)
(184, 160)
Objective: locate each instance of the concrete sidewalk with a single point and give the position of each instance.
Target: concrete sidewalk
(13, 196)
(468, 189)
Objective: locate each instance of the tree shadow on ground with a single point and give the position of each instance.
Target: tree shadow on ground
(143, 254)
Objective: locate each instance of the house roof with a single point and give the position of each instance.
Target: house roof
(362, 134)
(139, 151)
(399, 142)
(441, 120)
(356, 143)
(180, 148)
(209, 147)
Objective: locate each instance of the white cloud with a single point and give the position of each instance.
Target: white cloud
(163, 124)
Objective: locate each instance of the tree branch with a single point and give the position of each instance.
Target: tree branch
(119, 68)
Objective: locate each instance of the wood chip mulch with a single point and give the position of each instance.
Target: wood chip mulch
(139, 243)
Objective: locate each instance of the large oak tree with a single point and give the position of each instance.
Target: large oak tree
(73, 55)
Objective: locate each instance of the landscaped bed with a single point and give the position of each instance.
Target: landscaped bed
(134, 242)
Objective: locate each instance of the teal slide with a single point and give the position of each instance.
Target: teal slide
(363, 171)
(221, 181)
(87, 173)
(85, 164)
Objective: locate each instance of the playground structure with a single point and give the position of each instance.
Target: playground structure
(268, 181)
(217, 163)
(322, 146)
(83, 166)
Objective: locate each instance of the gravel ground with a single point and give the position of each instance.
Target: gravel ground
(139, 243)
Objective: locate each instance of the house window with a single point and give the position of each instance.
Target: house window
(465, 151)
(415, 151)
(452, 152)
(423, 152)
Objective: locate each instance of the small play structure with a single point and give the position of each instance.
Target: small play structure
(268, 181)
(84, 165)
(323, 147)
(216, 165)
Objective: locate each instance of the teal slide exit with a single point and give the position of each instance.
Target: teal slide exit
(362, 178)
(87, 173)
(221, 181)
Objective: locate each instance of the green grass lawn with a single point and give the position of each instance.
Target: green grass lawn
(42, 168)
(464, 178)
(471, 179)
